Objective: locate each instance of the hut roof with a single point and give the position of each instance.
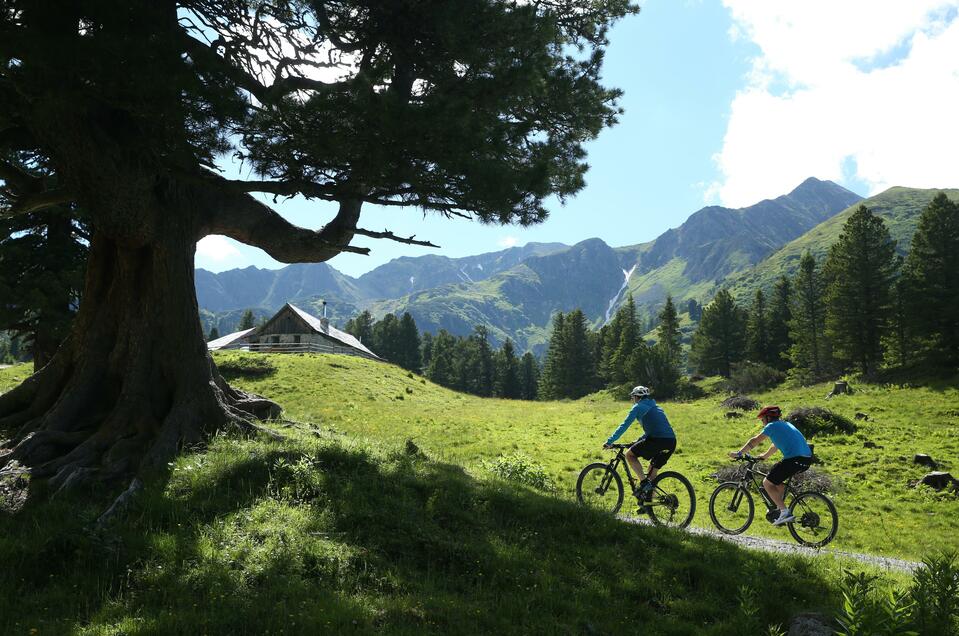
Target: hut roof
(330, 331)
(223, 341)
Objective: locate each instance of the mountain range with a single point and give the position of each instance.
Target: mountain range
(515, 292)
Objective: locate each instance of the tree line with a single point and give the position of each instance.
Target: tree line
(862, 309)
(464, 363)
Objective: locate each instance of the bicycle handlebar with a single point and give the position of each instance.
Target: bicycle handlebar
(746, 457)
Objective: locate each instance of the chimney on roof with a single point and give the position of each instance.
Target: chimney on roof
(324, 321)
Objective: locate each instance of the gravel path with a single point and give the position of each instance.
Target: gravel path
(789, 547)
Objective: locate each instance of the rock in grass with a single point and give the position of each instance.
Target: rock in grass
(732, 415)
(925, 460)
(861, 416)
(868, 444)
(939, 480)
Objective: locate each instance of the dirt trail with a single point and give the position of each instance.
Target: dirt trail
(788, 547)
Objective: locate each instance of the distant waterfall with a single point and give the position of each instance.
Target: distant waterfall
(615, 298)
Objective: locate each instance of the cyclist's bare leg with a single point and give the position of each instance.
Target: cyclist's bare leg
(653, 471)
(775, 493)
(633, 462)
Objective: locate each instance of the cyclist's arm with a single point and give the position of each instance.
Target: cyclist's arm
(752, 443)
(622, 427)
(769, 453)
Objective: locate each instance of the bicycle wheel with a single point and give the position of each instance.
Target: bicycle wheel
(674, 501)
(600, 488)
(816, 519)
(731, 508)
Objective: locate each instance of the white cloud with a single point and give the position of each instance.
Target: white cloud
(508, 241)
(859, 89)
(216, 248)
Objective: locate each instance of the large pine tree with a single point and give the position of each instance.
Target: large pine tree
(409, 344)
(780, 313)
(361, 327)
(810, 350)
(758, 343)
(442, 366)
(669, 337)
(931, 273)
(580, 371)
(720, 340)
(42, 256)
(133, 102)
(552, 382)
(529, 377)
(860, 271)
(507, 382)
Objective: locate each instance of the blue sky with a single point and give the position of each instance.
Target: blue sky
(727, 102)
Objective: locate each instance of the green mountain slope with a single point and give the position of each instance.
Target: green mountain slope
(899, 207)
(687, 262)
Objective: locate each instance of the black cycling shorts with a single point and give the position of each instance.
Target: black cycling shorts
(656, 449)
(787, 468)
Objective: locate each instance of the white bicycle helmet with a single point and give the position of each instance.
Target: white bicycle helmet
(640, 391)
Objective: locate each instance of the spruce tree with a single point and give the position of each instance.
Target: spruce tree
(42, 258)
(484, 366)
(580, 369)
(529, 377)
(214, 334)
(552, 379)
(931, 272)
(668, 334)
(810, 349)
(860, 271)
(720, 339)
(624, 338)
(780, 314)
(507, 383)
(386, 338)
(758, 348)
(426, 350)
(694, 309)
(900, 343)
(361, 327)
(409, 344)
(247, 320)
(442, 365)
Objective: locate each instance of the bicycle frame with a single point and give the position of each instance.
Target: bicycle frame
(614, 465)
(751, 478)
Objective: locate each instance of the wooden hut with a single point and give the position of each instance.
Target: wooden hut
(293, 330)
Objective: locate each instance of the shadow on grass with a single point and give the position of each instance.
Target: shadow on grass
(320, 536)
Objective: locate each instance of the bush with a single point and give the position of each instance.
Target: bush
(740, 402)
(812, 479)
(929, 606)
(246, 367)
(815, 420)
(520, 469)
(753, 376)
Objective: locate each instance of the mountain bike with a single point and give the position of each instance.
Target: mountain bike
(672, 501)
(732, 509)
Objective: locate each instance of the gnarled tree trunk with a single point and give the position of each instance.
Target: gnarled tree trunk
(134, 381)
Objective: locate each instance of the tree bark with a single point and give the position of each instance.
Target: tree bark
(133, 383)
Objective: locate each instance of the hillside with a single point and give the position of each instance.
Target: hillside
(469, 431)
(326, 532)
(899, 207)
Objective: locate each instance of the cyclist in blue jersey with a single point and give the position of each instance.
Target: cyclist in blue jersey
(797, 456)
(657, 443)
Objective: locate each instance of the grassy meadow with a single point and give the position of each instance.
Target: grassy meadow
(879, 514)
(343, 527)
